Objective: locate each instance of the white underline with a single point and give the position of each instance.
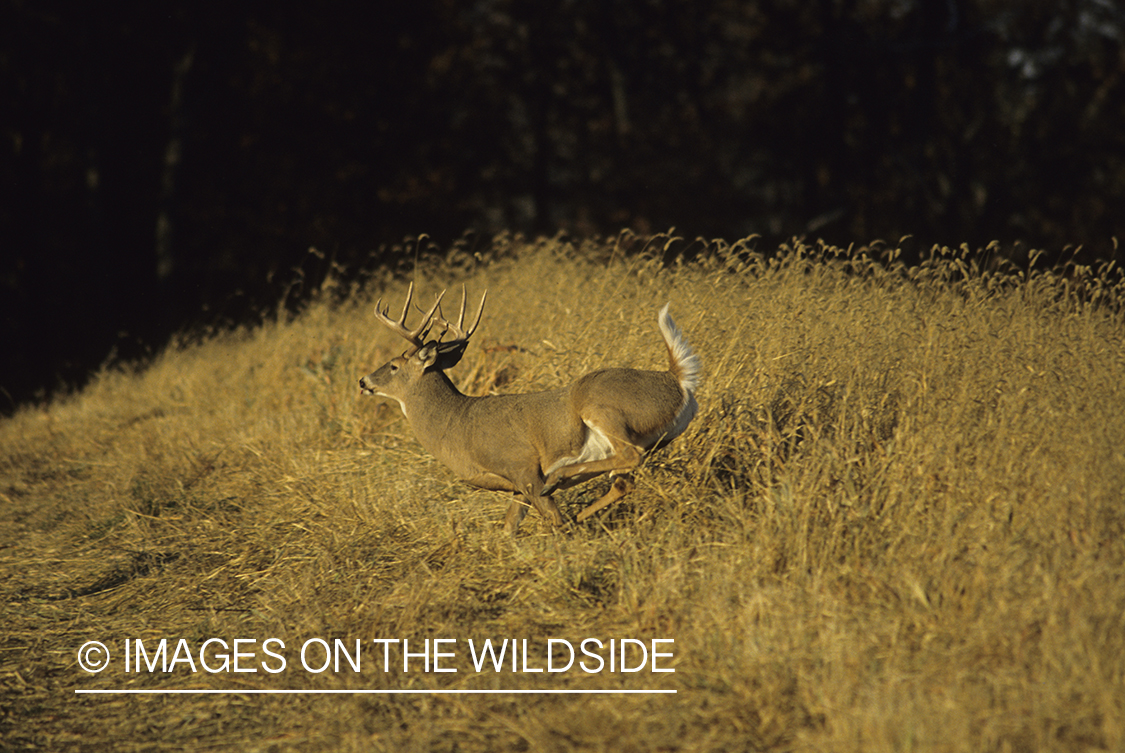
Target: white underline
(365, 691)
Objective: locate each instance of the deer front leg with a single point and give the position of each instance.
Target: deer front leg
(516, 511)
(542, 502)
(548, 509)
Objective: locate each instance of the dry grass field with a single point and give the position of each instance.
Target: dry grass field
(896, 524)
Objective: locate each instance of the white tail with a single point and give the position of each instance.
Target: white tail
(538, 443)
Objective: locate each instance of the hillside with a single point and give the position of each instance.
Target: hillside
(895, 524)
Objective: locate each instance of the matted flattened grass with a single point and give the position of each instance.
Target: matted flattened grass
(897, 523)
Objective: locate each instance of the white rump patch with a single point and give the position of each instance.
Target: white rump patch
(683, 418)
(597, 447)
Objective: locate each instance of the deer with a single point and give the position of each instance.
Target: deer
(534, 444)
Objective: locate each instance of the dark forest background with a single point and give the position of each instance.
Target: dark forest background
(173, 162)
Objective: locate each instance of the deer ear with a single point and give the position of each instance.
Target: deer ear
(449, 354)
(427, 354)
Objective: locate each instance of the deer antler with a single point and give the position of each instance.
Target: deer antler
(417, 336)
(460, 336)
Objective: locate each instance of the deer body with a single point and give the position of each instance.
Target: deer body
(534, 444)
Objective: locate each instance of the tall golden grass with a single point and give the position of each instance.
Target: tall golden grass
(897, 523)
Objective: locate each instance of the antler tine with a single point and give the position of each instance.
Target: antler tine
(414, 336)
(427, 320)
(480, 311)
(457, 330)
(406, 306)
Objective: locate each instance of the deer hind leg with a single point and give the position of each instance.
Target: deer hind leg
(614, 455)
(621, 486)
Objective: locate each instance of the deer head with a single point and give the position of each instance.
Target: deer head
(398, 377)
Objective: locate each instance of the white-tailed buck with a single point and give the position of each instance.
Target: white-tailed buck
(537, 443)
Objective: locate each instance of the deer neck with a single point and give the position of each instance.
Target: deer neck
(435, 409)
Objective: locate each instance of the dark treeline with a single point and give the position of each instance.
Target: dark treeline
(183, 155)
